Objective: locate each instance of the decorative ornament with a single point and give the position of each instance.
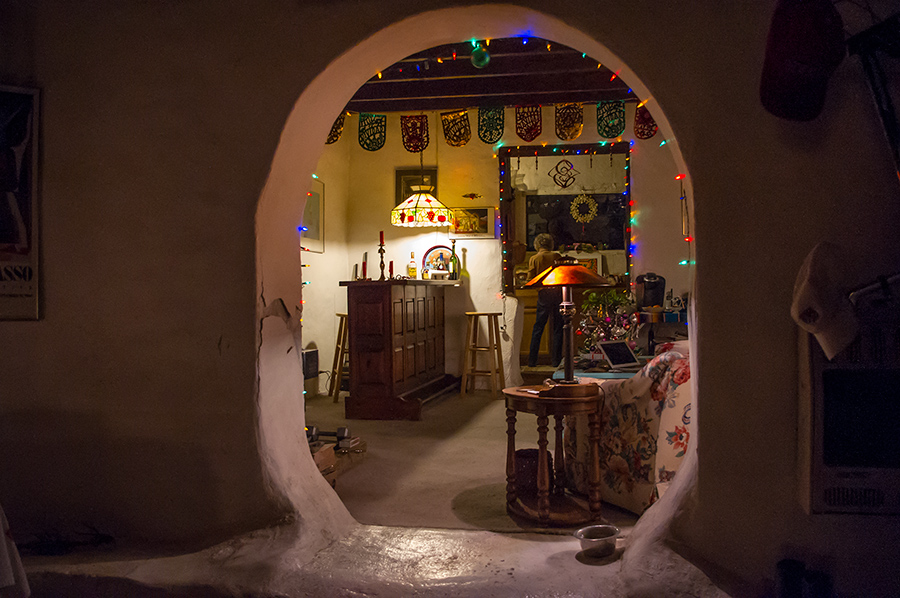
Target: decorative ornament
(490, 123)
(569, 121)
(644, 125)
(583, 208)
(336, 129)
(457, 130)
(414, 131)
(372, 131)
(472, 195)
(611, 118)
(528, 122)
(564, 173)
(480, 56)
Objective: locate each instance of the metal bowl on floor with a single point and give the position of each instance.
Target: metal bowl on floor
(598, 540)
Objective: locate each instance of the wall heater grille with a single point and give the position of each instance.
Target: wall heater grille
(854, 497)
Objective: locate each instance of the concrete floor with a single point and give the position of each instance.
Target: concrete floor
(417, 559)
(380, 561)
(447, 471)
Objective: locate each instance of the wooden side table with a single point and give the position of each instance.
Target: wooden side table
(560, 508)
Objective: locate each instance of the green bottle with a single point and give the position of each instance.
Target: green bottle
(454, 262)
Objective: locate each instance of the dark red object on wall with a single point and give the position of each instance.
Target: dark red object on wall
(805, 46)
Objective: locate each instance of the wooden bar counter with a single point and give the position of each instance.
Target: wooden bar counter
(396, 346)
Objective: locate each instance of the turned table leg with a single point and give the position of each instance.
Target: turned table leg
(543, 473)
(510, 456)
(594, 469)
(559, 459)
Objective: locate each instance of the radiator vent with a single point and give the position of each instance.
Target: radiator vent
(854, 497)
(310, 364)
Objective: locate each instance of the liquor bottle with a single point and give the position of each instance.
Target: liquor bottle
(411, 267)
(454, 262)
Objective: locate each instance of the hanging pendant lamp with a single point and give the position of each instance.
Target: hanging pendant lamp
(421, 209)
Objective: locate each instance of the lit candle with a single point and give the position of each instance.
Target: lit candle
(391, 269)
(382, 237)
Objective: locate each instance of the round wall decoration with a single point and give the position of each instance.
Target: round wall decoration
(583, 208)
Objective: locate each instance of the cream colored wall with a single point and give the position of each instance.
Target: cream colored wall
(135, 403)
(323, 297)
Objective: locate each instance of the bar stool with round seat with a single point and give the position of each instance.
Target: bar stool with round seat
(494, 353)
(340, 355)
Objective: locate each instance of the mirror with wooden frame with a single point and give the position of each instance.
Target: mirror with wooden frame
(580, 194)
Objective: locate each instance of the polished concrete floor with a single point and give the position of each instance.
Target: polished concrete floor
(432, 526)
(446, 471)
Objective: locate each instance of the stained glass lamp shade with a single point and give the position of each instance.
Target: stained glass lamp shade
(421, 209)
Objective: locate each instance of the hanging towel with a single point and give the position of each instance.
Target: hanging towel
(12, 576)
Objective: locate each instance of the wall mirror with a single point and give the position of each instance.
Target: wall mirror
(580, 194)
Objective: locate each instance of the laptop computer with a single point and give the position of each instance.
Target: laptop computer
(619, 356)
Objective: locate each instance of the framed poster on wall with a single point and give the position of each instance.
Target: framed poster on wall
(19, 264)
(473, 223)
(407, 178)
(312, 231)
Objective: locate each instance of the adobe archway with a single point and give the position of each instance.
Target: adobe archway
(281, 205)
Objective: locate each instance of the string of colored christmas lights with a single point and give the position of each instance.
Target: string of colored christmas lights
(685, 223)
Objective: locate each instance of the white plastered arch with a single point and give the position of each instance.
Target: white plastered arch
(280, 207)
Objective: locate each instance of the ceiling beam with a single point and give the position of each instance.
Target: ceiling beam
(462, 102)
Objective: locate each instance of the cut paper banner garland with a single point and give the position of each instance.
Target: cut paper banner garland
(644, 125)
(336, 129)
(490, 123)
(457, 130)
(611, 118)
(569, 125)
(372, 131)
(528, 122)
(569, 121)
(414, 131)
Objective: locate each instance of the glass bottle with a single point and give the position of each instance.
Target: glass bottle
(411, 267)
(454, 262)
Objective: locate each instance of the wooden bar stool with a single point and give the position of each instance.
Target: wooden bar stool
(340, 355)
(494, 352)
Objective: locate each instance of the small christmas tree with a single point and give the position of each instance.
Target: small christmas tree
(606, 316)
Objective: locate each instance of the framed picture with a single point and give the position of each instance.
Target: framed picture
(407, 178)
(312, 230)
(591, 264)
(472, 223)
(19, 242)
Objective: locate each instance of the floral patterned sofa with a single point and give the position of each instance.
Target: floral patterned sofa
(644, 434)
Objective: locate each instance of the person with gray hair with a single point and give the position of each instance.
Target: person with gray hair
(547, 303)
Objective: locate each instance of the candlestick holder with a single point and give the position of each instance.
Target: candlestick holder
(381, 256)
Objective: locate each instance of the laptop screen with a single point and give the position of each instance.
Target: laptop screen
(619, 354)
